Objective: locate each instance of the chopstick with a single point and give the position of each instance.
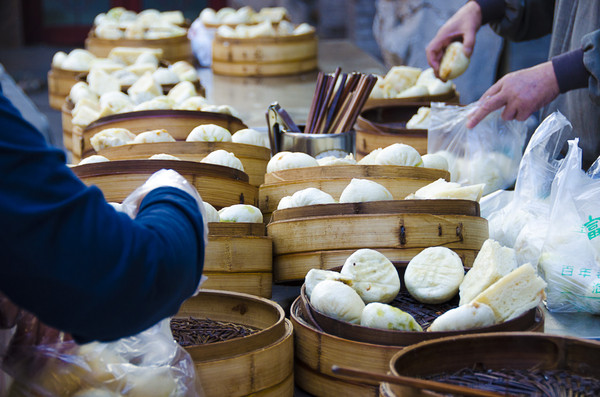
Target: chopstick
(412, 382)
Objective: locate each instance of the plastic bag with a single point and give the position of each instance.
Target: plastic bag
(201, 38)
(570, 259)
(522, 223)
(148, 364)
(489, 153)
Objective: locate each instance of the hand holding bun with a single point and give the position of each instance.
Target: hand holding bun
(455, 62)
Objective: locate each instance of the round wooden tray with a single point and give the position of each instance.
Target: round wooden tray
(239, 258)
(174, 48)
(317, 351)
(218, 185)
(264, 56)
(253, 158)
(382, 126)
(179, 123)
(532, 320)
(400, 181)
(501, 350)
(259, 363)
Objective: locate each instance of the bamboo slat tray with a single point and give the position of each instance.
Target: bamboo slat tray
(495, 351)
(174, 48)
(258, 363)
(218, 185)
(60, 82)
(400, 181)
(264, 56)
(239, 258)
(397, 225)
(179, 123)
(253, 158)
(451, 97)
(382, 126)
(317, 351)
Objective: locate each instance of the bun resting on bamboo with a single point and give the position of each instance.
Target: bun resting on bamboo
(153, 137)
(225, 158)
(212, 215)
(375, 277)
(454, 62)
(209, 133)
(163, 156)
(435, 161)
(315, 276)
(383, 316)
(308, 196)
(469, 316)
(332, 160)
(111, 137)
(96, 158)
(399, 154)
(370, 159)
(420, 120)
(241, 213)
(362, 190)
(442, 189)
(251, 137)
(288, 160)
(156, 103)
(434, 275)
(196, 103)
(337, 300)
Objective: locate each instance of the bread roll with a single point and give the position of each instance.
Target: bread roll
(241, 213)
(375, 277)
(315, 276)
(514, 294)
(454, 62)
(469, 316)
(337, 300)
(491, 264)
(362, 190)
(382, 316)
(434, 275)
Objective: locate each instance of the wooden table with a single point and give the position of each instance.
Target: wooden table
(252, 95)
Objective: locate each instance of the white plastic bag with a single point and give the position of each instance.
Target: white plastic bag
(201, 38)
(489, 153)
(570, 260)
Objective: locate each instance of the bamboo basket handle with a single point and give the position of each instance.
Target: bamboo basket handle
(412, 382)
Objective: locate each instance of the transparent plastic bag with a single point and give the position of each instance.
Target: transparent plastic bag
(148, 364)
(570, 259)
(523, 221)
(490, 153)
(201, 38)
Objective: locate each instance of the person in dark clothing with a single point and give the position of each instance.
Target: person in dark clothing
(72, 260)
(573, 69)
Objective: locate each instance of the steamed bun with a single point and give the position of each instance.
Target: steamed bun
(399, 154)
(111, 137)
(288, 160)
(241, 213)
(382, 316)
(209, 133)
(251, 137)
(163, 156)
(332, 160)
(454, 62)
(153, 136)
(370, 158)
(315, 276)
(337, 300)
(361, 190)
(435, 161)
(375, 277)
(96, 158)
(211, 213)
(223, 157)
(308, 196)
(470, 316)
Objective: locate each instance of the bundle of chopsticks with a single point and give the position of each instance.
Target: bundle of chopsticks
(338, 101)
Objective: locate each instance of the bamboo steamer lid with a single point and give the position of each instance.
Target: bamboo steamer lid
(218, 185)
(260, 363)
(179, 124)
(253, 158)
(399, 180)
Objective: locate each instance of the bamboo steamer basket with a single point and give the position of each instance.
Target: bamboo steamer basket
(401, 227)
(175, 49)
(400, 181)
(239, 258)
(502, 350)
(218, 185)
(253, 158)
(179, 123)
(382, 126)
(450, 97)
(264, 56)
(66, 119)
(259, 364)
(60, 82)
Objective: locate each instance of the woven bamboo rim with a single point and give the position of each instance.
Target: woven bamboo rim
(253, 158)
(451, 97)
(519, 350)
(318, 384)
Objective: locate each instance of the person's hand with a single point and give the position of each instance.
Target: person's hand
(521, 93)
(462, 25)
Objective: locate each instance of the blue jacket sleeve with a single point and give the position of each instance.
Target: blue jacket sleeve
(75, 262)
